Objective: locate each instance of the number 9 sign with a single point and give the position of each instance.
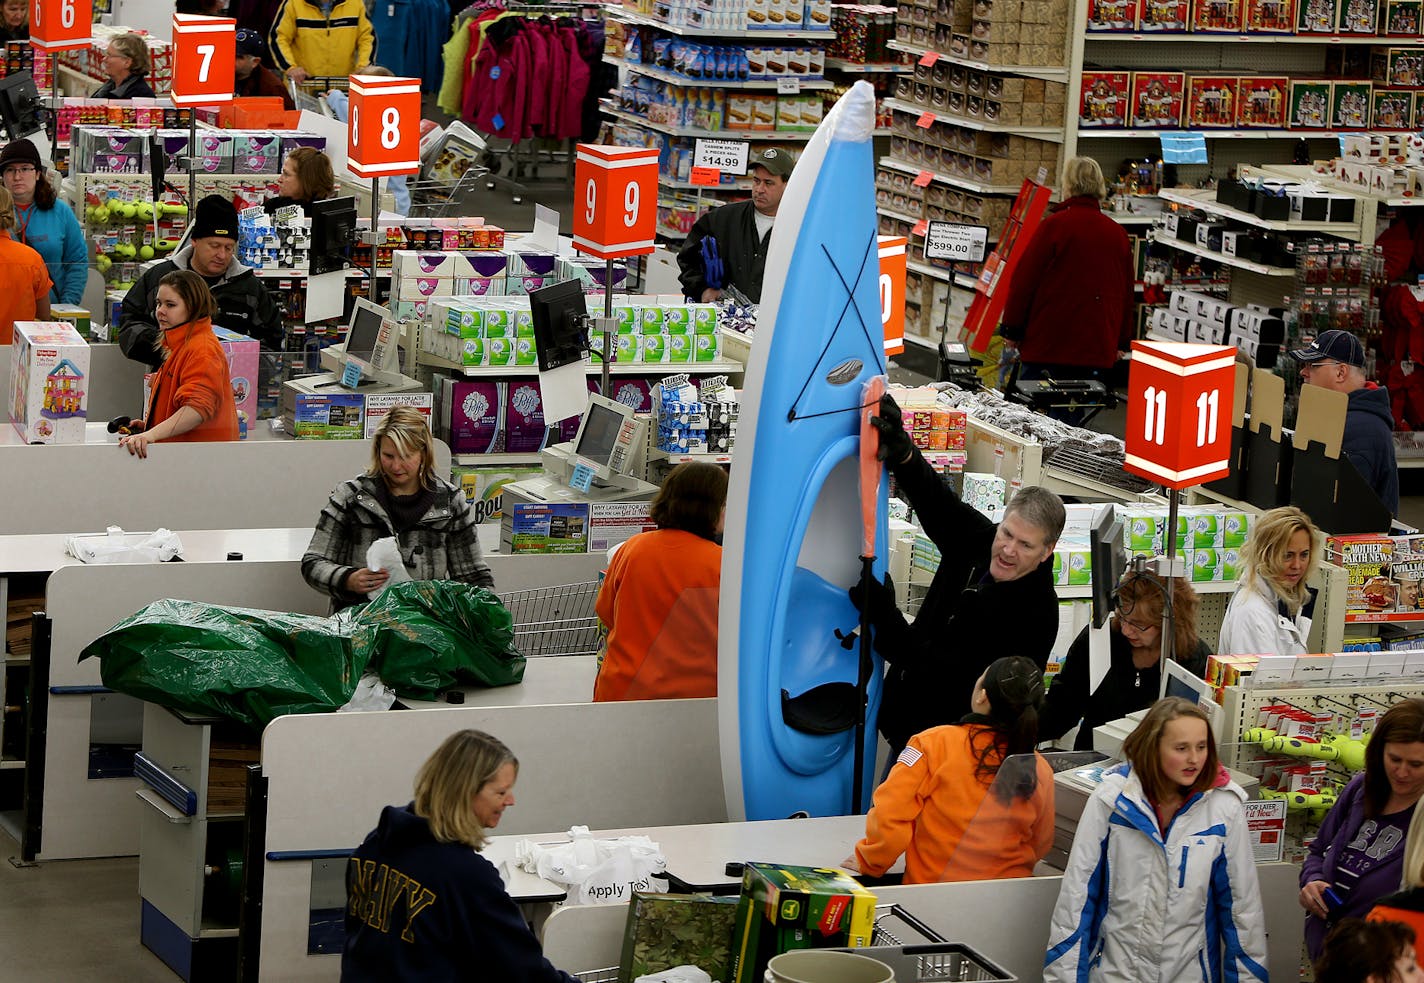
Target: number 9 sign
(204, 56)
(383, 129)
(61, 25)
(1179, 412)
(616, 200)
(892, 292)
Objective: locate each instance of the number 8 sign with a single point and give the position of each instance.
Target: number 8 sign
(61, 25)
(615, 199)
(383, 130)
(204, 56)
(1179, 412)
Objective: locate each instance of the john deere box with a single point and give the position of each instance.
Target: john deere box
(784, 908)
(668, 930)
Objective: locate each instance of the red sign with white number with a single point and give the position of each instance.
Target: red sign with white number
(1179, 412)
(204, 53)
(615, 200)
(61, 25)
(892, 292)
(383, 128)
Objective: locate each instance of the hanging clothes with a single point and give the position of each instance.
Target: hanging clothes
(529, 77)
(408, 34)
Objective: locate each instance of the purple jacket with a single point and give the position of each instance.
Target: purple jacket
(1339, 827)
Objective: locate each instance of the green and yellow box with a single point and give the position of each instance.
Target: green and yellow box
(786, 907)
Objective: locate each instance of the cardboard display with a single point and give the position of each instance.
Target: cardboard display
(1233, 484)
(1269, 475)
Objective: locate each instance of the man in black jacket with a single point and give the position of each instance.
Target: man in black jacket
(992, 595)
(243, 302)
(741, 232)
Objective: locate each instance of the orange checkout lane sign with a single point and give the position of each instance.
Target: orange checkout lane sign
(1179, 412)
(204, 56)
(383, 128)
(61, 25)
(615, 200)
(892, 292)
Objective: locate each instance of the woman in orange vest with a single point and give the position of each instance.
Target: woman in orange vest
(24, 280)
(969, 801)
(190, 396)
(659, 598)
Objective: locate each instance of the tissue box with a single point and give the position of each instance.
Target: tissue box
(785, 907)
(49, 376)
(669, 930)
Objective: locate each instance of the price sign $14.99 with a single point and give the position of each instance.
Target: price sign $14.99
(729, 156)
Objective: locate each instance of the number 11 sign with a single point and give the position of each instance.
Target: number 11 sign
(615, 200)
(1179, 412)
(204, 53)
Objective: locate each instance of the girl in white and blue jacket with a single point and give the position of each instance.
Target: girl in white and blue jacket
(1161, 885)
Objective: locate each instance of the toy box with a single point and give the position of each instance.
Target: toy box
(1350, 105)
(1270, 16)
(1164, 16)
(1366, 560)
(1261, 101)
(1103, 100)
(1157, 99)
(334, 416)
(1401, 67)
(1217, 16)
(1316, 16)
(1309, 104)
(1112, 15)
(1359, 17)
(1211, 101)
(242, 356)
(785, 907)
(1391, 109)
(1401, 18)
(49, 377)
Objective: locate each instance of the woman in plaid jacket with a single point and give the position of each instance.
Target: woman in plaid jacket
(401, 496)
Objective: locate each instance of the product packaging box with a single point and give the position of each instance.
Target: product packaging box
(1157, 99)
(783, 908)
(1350, 105)
(484, 487)
(1366, 560)
(1211, 101)
(1401, 18)
(49, 379)
(524, 426)
(664, 931)
(1164, 16)
(80, 317)
(1072, 564)
(1309, 104)
(472, 415)
(547, 528)
(337, 416)
(1317, 16)
(1217, 16)
(1359, 16)
(1112, 15)
(1270, 16)
(1103, 100)
(1261, 101)
(242, 359)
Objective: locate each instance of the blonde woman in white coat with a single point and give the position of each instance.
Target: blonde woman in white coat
(1271, 610)
(1161, 884)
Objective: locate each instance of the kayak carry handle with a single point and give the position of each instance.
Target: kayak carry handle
(826, 709)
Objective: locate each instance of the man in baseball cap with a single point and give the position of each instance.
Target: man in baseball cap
(253, 77)
(1336, 360)
(727, 246)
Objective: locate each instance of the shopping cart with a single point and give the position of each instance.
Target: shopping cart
(555, 620)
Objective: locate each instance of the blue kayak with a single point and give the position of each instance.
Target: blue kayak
(792, 541)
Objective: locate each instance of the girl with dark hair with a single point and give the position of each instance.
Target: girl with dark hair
(1161, 866)
(190, 396)
(1357, 857)
(968, 801)
(659, 597)
(1368, 952)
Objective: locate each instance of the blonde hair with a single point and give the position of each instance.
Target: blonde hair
(1083, 176)
(446, 785)
(1413, 874)
(7, 211)
(1261, 556)
(132, 47)
(406, 428)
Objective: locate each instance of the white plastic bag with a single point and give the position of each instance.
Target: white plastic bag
(385, 554)
(678, 974)
(115, 546)
(371, 694)
(597, 871)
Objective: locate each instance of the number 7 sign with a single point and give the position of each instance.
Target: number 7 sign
(1179, 412)
(615, 200)
(61, 25)
(204, 59)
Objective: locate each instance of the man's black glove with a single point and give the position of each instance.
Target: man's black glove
(883, 609)
(895, 444)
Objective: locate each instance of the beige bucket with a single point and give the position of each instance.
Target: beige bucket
(817, 966)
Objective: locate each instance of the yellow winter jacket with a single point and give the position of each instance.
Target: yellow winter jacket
(330, 46)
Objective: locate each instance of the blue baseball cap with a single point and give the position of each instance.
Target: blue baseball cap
(1336, 345)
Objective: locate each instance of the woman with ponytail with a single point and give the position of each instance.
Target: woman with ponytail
(190, 396)
(969, 801)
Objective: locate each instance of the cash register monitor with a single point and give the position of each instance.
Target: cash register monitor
(364, 345)
(1178, 681)
(598, 442)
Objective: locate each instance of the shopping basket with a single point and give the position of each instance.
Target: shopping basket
(555, 620)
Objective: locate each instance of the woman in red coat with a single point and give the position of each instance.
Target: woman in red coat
(190, 396)
(1070, 307)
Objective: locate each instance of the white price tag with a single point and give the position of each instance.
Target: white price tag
(956, 241)
(729, 156)
(788, 87)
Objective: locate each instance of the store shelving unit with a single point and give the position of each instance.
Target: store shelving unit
(653, 72)
(1050, 73)
(1222, 258)
(1051, 134)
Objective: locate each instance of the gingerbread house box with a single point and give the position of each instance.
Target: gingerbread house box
(1104, 100)
(49, 376)
(1211, 101)
(1164, 16)
(1157, 99)
(1261, 102)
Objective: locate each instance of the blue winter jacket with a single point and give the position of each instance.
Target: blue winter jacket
(55, 234)
(1369, 443)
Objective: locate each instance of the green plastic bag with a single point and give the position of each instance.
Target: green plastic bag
(242, 663)
(425, 636)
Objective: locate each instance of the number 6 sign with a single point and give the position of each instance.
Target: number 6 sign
(383, 129)
(615, 200)
(204, 56)
(1179, 412)
(61, 25)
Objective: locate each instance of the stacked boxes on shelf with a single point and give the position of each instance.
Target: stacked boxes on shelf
(863, 33)
(690, 421)
(1208, 537)
(1336, 287)
(737, 15)
(955, 90)
(1253, 17)
(1198, 318)
(996, 32)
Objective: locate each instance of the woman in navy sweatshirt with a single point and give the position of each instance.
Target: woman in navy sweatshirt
(422, 904)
